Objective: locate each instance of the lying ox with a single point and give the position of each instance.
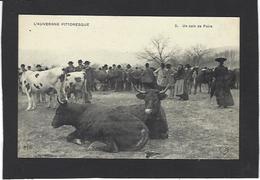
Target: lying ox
(118, 131)
(151, 113)
(41, 82)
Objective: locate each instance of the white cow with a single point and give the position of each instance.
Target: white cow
(42, 81)
(75, 84)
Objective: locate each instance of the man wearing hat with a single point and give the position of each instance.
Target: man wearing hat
(89, 80)
(128, 73)
(188, 80)
(80, 66)
(147, 78)
(221, 85)
(112, 77)
(23, 68)
(119, 79)
(39, 67)
(40, 96)
(70, 68)
(105, 68)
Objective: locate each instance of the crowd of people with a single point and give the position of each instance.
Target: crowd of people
(178, 80)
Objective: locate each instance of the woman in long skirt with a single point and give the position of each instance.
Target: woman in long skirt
(181, 89)
(221, 85)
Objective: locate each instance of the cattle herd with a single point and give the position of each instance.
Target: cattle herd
(118, 128)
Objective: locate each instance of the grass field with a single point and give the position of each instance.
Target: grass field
(197, 130)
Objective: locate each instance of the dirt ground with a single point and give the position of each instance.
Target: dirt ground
(197, 130)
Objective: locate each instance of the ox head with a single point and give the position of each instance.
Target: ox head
(62, 115)
(152, 98)
(67, 113)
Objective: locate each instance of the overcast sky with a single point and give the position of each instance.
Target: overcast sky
(111, 38)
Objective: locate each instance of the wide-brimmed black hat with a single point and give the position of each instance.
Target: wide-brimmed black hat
(168, 65)
(80, 61)
(221, 59)
(86, 62)
(38, 65)
(187, 65)
(70, 62)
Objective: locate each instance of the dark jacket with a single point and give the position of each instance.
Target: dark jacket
(180, 74)
(148, 76)
(70, 69)
(89, 75)
(79, 68)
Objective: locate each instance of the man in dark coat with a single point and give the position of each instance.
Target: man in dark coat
(110, 77)
(148, 78)
(113, 77)
(128, 72)
(89, 80)
(40, 96)
(80, 66)
(221, 85)
(70, 68)
(188, 77)
(136, 77)
(39, 67)
(119, 79)
(23, 69)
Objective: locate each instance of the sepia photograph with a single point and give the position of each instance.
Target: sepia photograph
(128, 87)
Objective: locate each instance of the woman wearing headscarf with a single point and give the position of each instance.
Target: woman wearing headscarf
(170, 79)
(180, 89)
(221, 85)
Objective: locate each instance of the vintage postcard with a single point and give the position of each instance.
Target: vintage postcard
(128, 87)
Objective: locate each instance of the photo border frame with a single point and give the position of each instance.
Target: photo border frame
(246, 166)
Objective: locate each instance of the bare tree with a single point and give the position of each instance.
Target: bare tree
(159, 52)
(196, 53)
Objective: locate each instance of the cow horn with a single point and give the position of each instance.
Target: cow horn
(62, 102)
(138, 90)
(164, 91)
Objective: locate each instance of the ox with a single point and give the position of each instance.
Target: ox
(75, 83)
(204, 76)
(42, 82)
(151, 113)
(234, 78)
(118, 131)
(102, 77)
